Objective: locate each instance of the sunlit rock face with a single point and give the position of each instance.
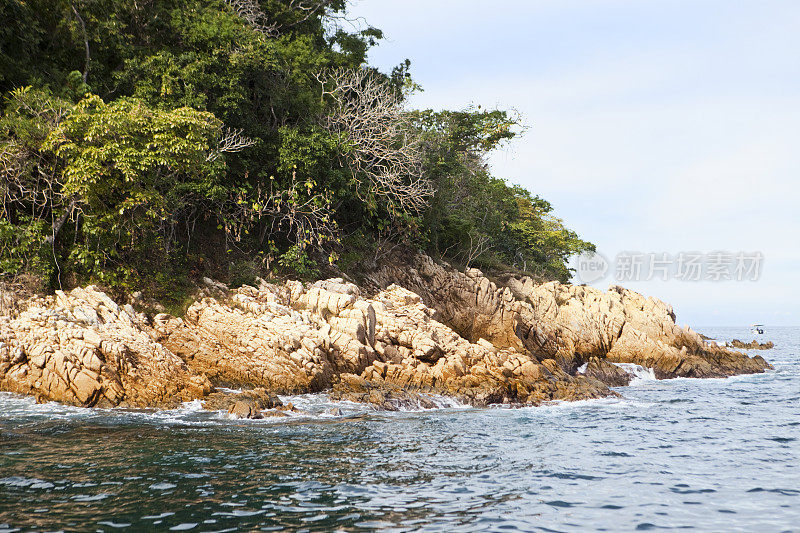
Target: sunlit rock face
(81, 348)
(571, 324)
(299, 338)
(422, 328)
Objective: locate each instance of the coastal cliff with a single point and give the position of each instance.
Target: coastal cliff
(414, 328)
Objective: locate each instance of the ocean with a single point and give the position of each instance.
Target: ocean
(689, 454)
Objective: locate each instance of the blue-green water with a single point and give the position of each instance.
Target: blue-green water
(709, 455)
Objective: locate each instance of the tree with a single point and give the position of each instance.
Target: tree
(32, 201)
(478, 219)
(380, 146)
(167, 139)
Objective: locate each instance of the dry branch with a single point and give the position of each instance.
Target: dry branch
(384, 153)
(250, 11)
(307, 220)
(231, 141)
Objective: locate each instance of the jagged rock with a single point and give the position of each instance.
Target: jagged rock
(386, 397)
(752, 345)
(426, 330)
(264, 337)
(81, 348)
(9, 300)
(570, 324)
(610, 374)
(247, 404)
(295, 338)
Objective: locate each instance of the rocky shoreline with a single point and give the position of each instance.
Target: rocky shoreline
(413, 328)
(752, 345)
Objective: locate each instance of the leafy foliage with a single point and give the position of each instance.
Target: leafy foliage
(30, 195)
(133, 174)
(478, 219)
(154, 141)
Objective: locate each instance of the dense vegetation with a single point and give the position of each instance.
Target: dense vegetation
(146, 143)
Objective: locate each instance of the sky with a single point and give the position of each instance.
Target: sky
(660, 126)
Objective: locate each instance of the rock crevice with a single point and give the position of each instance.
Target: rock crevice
(425, 329)
(571, 324)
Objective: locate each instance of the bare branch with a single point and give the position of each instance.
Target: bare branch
(383, 151)
(308, 220)
(309, 8)
(231, 141)
(478, 245)
(29, 181)
(85, 42)
(250, 11)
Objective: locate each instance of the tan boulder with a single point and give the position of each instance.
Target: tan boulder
(417, 330)
(108, 361)
(566, 323)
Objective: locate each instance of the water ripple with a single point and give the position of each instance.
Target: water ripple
(704, 454)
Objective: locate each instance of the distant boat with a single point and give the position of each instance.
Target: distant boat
(757, 329)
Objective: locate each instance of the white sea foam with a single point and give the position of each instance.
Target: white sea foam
(448, 402)
(738, 377)
(438, 401)
(555, 407)
(25, 482)
(16, 406)
(640, 374)
(322, 406)
(163, 486)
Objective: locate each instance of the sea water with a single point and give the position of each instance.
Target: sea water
(706, 455)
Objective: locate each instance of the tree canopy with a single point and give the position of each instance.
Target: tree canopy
(146, 143)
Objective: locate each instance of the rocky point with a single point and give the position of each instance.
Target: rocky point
(414, 329)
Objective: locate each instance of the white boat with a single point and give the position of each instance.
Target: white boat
(757, 329)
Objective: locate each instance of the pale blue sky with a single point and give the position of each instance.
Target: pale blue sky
(654, 125)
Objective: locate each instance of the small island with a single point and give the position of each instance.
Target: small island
(214, 195)
(259, 272)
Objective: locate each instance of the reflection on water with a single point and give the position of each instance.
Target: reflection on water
(706, 454)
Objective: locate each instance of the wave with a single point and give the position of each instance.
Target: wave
(25, 482)
(18, 407)
(611, 402)
(318, 406)
(639, 373)
(321, 404)
(428, 402)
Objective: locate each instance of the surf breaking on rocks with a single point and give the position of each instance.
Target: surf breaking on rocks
(414, 331)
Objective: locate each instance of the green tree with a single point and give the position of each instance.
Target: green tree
(133, 175)
(478, 219)
(177, 137)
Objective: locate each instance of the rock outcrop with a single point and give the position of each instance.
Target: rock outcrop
(606, 372)
(423, 330)
(294, 338)
(752, 345)
(81, 348)
(246, 404)
(569, 323)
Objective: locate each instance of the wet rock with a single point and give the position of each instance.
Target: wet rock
(241, 409)
(273, 414)
(607, 373)
(246, 404)
(386, 397)
(752, 345)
